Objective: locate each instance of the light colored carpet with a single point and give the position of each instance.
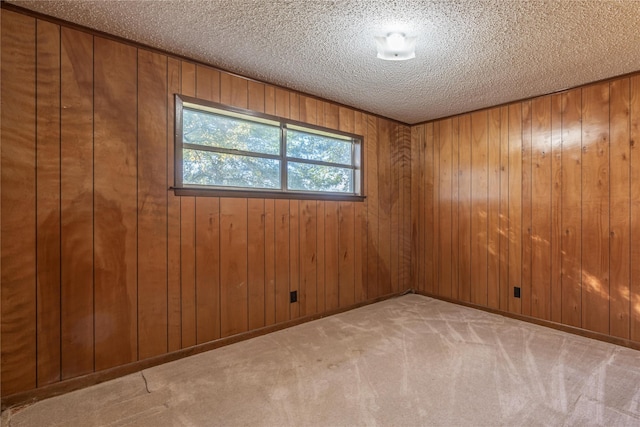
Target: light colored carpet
(411, 360)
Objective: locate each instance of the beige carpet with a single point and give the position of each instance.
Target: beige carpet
(407, 361)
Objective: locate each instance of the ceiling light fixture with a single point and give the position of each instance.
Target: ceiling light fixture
(396, 47)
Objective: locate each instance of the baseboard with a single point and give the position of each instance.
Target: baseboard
(31, 396)
(549, 324)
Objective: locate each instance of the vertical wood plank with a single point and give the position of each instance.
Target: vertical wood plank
(429, 206)
(444, 287)
(464, 208)
(541, 192)
(282, 260)
(308, 257)
(515, 205)
(346, 247)
(493, 209)
(76, 194)
(360, 238)
(331, 256)
(434, 248)
(207, 246)
(320, 284)
(384, 208)
(294, 106)
(207, 83)
(48, 201)
(395, 142)
(115, 203)
(526, 208)
(256, 262)
(239, 92)
(505, 231)
(373, 254)
(556, 208)
(152, 204)
(455, 185)
(269, 262)
(174, 309)
(418, 140)
(187, 237)
(479, 210)
(294, 255)
(595, 207)
(233, 266)
(255, 96)
(282, 103)
(18, 273)
(270, 100)
(634, 143)
(620, 203)
(406, 189)
(571, 204)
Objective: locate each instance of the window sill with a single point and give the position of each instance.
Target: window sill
(264, 194)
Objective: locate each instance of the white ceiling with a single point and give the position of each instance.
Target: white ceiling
(469, 53)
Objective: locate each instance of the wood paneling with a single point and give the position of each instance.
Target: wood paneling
(152, 206)
(543, 198)
(76, 203)
(48, 201)
(115, 203)
(18, 274)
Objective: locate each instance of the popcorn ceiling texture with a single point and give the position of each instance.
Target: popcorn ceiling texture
(469, 54)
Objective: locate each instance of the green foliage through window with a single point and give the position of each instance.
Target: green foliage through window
(232, 149)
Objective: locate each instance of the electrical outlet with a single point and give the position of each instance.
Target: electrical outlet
(293, 296)
(516, 292)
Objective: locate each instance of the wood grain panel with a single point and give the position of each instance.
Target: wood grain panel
(294, 255)
(384, 208)
(320, 276)
(208, 83)
(418, 142)
(48, 201)
(346, 249)
(308, 257)
(505, 231)
(208, 269)
(152, 204)
(595, 208)
(331, 256)
(405, 197)
(308, 110)
(556, 208)
(18, 272)
(634, 143)
(444, 212)
(255, 96)
(571, 204)
(239, 92)
(493, 209)
(371, 153)
(269, 100)
(256, 262)
(429, 207)
(619, 205)
(269, 262)
(360, 238)
(541, 184)
(515, 205)
(282, 260)
(527, 238)
(115, 203)
(294, 106)
(174, 305)
(225, 88)
(479, 208)
(187, 237)
(233, 266)
(282, 103)
(76, 203)
(464, 208)
(435, 253)
(455, 184)
(394, 207)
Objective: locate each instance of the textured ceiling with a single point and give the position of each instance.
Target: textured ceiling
(469, 54)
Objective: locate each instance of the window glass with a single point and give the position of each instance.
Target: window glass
(304, 145)
(313, 177)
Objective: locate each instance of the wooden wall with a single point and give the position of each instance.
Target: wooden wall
(103, 266)
(542, 194)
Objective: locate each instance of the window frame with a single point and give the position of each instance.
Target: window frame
(181, 189)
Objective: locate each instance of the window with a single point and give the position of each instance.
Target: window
(235, 151)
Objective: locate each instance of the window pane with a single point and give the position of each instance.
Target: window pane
(203, 128)
(229, 170)
(309, 146)
(307, 177)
